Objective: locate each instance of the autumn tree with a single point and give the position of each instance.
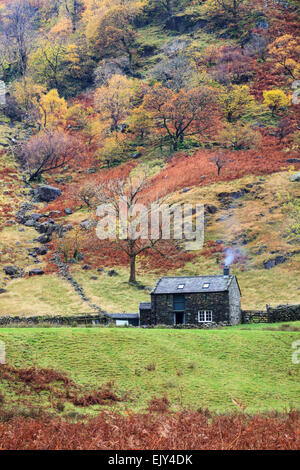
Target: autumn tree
(115, 100)
(285, 128)
(47, 151)
(27, 94)
(229, 8)
(140, 122)
(235, 101)
(276, 100)
(114, 33)
(284, 52)
(163, 8)
(239, 136)
(112, 150)
(85, 193)
(51, 59)
(182, 114)
(233, 65)
(53, 109)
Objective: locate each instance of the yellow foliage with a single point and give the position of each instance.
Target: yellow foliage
(140, 121)
(235, 101)
(115, 99)
(26, 92)
(284, 51)
(112, 150)
(276, 99)
(239, 136)
(53, 109)
(61, 29)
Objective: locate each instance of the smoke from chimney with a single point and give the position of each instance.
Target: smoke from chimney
(230, 256)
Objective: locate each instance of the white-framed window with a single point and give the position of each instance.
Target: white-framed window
(205, 316)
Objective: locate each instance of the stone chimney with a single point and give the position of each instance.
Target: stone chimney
(226, 271)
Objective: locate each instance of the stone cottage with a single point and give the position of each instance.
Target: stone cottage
(193, 300)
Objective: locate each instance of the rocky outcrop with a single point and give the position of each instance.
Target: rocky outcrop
(185, 23)
(46, 193)
(13, 271)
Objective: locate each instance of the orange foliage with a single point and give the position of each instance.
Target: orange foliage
(155, 430)
(197, 170)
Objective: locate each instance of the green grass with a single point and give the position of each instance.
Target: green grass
(115, 294)
(194, 368)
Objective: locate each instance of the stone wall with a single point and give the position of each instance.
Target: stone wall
(281, 313)
(145, 317)
(163, 312)
(53, 320)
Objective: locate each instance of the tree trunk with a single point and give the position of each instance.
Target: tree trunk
(132, 277)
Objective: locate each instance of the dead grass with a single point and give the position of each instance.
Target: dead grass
(43, 295)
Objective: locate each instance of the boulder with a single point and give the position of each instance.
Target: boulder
(112, 273)
(262, 24)
(185, 23)
(13, 271)
(42, 250)
(30, 223)
(36, 272)
(46, 193)
(36, 217)
(136, 155)
(44, 239)
(68, 211)
(87, 224)
(86, 267)
(67, 228)
(271, 263)
(210, 209)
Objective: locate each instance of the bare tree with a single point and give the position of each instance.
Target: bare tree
(221, 160)
(73, 10)
(174, 72)
(47, 151)
(132, 219)
(17, 26)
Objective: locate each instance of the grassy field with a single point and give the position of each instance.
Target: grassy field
(198, 369)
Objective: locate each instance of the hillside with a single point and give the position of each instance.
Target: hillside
(199, 96)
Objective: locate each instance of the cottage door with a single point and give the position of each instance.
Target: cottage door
(179, 308)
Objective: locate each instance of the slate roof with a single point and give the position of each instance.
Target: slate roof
(123, 316)
(192, 284)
